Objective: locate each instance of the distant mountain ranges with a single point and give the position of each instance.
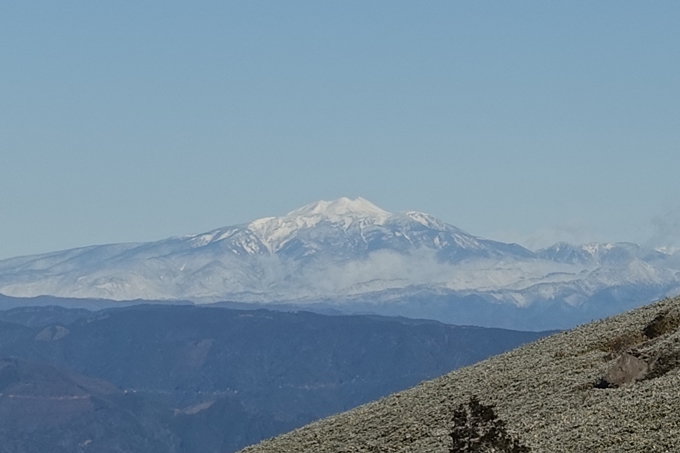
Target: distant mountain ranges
(188, 379)
(350, 256)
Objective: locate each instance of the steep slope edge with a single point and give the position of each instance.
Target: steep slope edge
(555, 394)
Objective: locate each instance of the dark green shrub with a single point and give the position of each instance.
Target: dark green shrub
(477, 428)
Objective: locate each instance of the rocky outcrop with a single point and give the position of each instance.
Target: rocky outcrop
(625, 370)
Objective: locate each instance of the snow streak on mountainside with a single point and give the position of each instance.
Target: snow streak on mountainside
(344, 250)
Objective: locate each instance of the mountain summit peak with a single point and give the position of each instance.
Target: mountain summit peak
(341, 208)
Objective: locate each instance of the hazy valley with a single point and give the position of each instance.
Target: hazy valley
(196, 379)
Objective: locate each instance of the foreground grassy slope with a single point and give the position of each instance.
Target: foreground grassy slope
(558, 394)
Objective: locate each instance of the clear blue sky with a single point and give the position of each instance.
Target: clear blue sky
(132, 121)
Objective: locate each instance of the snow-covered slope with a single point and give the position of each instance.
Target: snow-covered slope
(344, 251)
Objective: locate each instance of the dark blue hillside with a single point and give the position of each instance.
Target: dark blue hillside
(273, 371)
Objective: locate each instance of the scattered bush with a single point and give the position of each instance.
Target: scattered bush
(624, 342)
(661, 324)
(477, 428)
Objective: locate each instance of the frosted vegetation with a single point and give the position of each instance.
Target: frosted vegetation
(549, 396)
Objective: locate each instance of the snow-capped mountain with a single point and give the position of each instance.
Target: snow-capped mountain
(350, 229)
(347, 253)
